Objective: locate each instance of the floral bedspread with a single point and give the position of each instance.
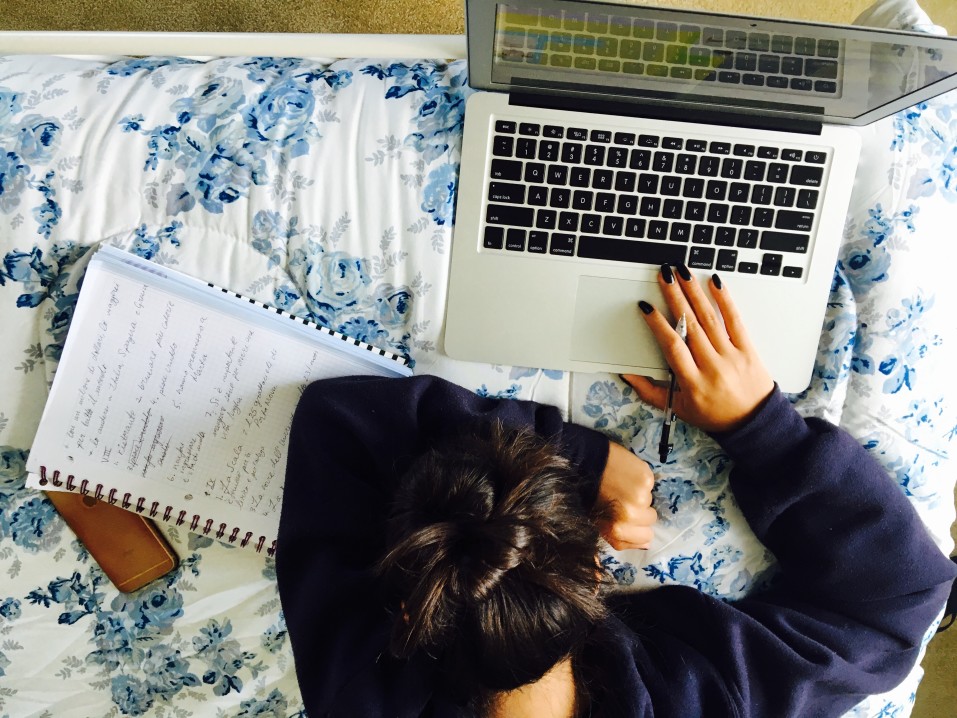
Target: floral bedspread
(327, 189)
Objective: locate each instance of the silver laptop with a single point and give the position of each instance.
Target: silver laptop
(617, 138)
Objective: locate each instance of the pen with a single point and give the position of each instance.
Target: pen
(664, 447)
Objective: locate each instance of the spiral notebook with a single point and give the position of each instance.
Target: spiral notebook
(174, 398)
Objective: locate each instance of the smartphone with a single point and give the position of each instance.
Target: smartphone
(128, 547)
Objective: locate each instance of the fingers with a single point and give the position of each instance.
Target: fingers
(676, 351)
(706, 330)
(647, 390)
(622, 535)
(733, 322)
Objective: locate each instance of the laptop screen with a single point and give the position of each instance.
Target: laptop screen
(830, 73)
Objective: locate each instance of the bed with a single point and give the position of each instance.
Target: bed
(326, 187)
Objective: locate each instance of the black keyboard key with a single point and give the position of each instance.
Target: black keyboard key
(695, 211)
(807, 199)
(748, 238)
(807, 176)
(754, 170)
(793, 272)
(506, 192)
(821, 69)
(778, 82)
(727, 260)
(769, 64)
(602, 179)
(515, 240)
(568, 221)
(635, 227)
(612, 226)
(716, 190)
(741, 215)
(718, 213)
(640, 160)
(708, 166)
(650, 207)
(534, 172)
(648, 183)
(560, 198)
(748, 268)
(553, 132)
(580, 177)
(784, 196)
(624, 138)
(506, 170)
(794, 221)
(594, 155)
(693, 188)
(702, 234)
(696, 146)
(617, 157)
(686, 164)
(664, 161)
(792, 155)
(753, 80)
(763, 217)
(777, 173)
(802, 84)
(510, 215)
(815, 157)
(601, 136)
(761, 194)
(627, 204)
(546, 219)
(582, 200)
(768, 153)
(572, 153)
(680, 232)
(625, 181)
(701, 258)
(591, 223)
(503, 146)
(529, 128)
(557, 174)
(732, 168)
(605, 202)
(771, 265)
(538, 242)
(548, 150)
(792, 66)
(505, 126)
(739, 192)
(671, 186)
(672, 209)
(805, 46)
(577, 134)
(494, 238)
(784, 242)
(526, 148)
(537, 195)
(724, 236)
(657, 230)
(625, 250)
(828, 48)
(563, 245)
(783, 44)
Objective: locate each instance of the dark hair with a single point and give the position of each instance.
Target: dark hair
(492, 561)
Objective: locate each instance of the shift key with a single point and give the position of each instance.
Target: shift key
(506, 214)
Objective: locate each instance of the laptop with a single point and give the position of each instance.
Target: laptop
(615, 138)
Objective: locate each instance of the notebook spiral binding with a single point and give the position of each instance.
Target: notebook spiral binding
(153, 511)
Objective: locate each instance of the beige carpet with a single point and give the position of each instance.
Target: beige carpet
(937, 697)
(362, 16)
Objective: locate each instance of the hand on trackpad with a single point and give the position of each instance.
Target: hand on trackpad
(608, 328)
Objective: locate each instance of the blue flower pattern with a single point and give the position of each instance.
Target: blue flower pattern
(247, 140)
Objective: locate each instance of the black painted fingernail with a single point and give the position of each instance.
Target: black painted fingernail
(684, 272)
(645, 307)
(666, 273)
(717, 281)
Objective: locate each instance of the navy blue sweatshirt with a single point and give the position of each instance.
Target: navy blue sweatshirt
(860, 579)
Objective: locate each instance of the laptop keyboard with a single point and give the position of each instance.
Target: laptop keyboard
(568, 191)
(599, 42)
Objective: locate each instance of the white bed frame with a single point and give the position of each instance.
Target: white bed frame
(206, 45)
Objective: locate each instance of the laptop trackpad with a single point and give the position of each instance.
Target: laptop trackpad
(608, 327)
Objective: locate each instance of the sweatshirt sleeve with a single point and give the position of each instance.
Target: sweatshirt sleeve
(351, 439)
(860, 581)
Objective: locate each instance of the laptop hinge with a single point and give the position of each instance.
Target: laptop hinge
(661, 112)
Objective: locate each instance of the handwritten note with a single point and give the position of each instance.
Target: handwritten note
(180, 395)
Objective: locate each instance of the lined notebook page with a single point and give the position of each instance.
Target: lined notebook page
(170, 398)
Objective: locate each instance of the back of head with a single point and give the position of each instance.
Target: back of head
(493, 561)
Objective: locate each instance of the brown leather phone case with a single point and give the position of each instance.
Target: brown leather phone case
(128, 547)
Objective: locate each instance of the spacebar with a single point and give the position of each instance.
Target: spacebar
(627, 250)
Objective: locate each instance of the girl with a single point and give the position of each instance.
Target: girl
(440, 559)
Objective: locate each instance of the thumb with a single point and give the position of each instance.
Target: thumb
(647, 390)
